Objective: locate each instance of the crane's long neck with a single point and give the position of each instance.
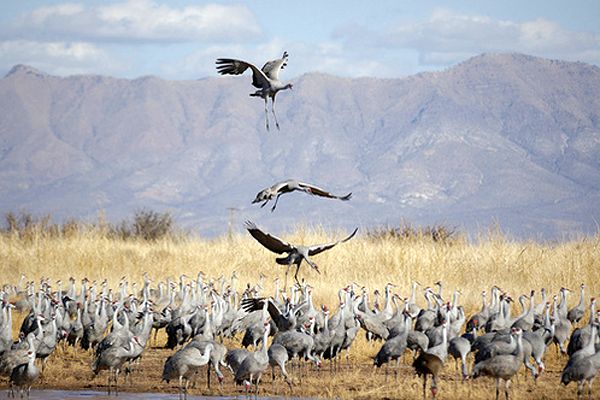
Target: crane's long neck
(582, 297)
(116, 325)
(413, 293)
(590, 347)
(276, 295)
(531, 303)
(407, 323)
(265, 337)
(547, 320)
(387, 306)
(494, 301)
(40, 333)
(563, 300)
(519, 343)
(428, 298)
(555, 306)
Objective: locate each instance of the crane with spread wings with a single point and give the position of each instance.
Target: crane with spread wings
(289, 186)
(266, 79)
(295, 253)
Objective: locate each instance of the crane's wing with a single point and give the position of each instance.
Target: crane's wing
(271, 68)
(321, 192)
(316, 249)
(257, 304)
(284, 186)
(271, 242)
(230, 66)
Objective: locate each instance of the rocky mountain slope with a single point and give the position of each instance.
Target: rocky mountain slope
(500, 138)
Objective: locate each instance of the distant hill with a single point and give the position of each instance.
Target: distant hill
(500, 138)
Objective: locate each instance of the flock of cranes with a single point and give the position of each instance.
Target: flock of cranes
(114, 328)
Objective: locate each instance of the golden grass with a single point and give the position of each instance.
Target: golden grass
(515, 266)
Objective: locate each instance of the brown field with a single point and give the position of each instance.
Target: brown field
(517, 267)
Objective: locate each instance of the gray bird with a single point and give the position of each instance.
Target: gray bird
(183, 365)
(459, 347)
(278, 356)
(289, 186)
(503, 366)
(235, 357)
(112, 359)
(24, 375)
(251, 369)
(295, 253)
(581, 370)
(576, 313)
(266, 79)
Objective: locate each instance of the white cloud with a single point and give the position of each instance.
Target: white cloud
(447, 37)
(134, 21)
(58, 58)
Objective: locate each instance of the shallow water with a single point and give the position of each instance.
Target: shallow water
(95, 395)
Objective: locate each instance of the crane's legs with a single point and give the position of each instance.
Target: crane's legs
(424, 386)
(465, 371)
(117, 382)
(109, 380)
(296, 274)
(208, 374)
(276, 200)
(273, 110)
(287, 271)
(266, 114)
(579, 389)
(497, 388)
(506, 387)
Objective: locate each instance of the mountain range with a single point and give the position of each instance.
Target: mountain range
(506, 140)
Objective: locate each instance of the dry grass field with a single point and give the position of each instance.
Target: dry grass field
(471, 266)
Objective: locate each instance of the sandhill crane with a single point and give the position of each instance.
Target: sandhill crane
(562, 328)
(479, 319)
(113, 358)
(24, 375)
(428, 364)
(503, 366)
(394, 347)
(235, 357)
(291, 185)
(295, 253)
(581, 336)
(577, 312)
(13, 357)
(526, 320)
(460, 347)
(6, 324)
(266, 79)
(298, 343)
(278, 356)
(216, 359)
(253, 366)
(582, 369)
(183, 365)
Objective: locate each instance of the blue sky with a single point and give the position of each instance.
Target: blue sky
(180, 39)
